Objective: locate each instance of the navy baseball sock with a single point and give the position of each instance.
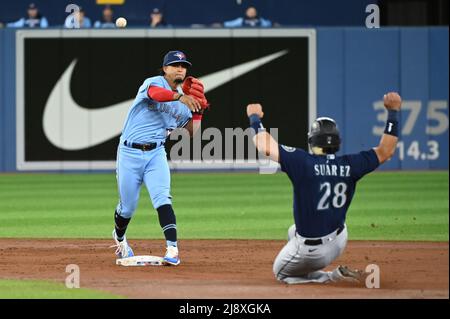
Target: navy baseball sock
(121, 225)
(168, 224)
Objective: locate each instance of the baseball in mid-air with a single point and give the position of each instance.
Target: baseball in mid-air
(121, 22)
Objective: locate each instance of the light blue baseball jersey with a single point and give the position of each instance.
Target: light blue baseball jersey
(150, 121)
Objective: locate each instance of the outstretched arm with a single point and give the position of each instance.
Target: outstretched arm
(264, 142)
(388, 142)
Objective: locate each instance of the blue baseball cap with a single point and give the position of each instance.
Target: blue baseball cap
(172, 57)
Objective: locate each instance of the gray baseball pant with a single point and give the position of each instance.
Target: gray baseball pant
(299, 263)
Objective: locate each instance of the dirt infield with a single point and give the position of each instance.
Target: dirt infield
(227, 269)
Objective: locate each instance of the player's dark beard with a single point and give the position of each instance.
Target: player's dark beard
(178, 81)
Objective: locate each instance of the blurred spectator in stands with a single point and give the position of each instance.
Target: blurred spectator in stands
(107, 19)
(80, 18)
(1, 25)
(34, 19)
(251, 19)
(157, 19)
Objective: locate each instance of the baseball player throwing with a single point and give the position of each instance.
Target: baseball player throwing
(324, 185)
(160, 106)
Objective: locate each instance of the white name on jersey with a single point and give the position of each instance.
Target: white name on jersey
(332, 170)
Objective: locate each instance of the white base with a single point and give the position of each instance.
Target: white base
(140, 261)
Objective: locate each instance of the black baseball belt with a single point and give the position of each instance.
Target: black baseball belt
(316, 242)
(143, 147)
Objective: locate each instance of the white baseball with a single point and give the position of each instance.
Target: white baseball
(121, 22)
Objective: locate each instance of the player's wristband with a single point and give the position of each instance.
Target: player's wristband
(255, 123)
(392, 123)
(179, 96)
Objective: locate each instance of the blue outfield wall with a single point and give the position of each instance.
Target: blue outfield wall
(355, 67)
(2, 104)
(7, 100)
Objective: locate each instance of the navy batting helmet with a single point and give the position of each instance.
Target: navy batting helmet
(324, 133)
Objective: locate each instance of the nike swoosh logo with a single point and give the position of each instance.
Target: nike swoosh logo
(216, 79)
(71, 127)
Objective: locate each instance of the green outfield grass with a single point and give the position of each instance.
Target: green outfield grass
(387, 206)
(34, 289)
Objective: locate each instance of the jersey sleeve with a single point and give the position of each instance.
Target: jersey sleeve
(143, 90)
(292, 160)
(155, 81)
(363, 163)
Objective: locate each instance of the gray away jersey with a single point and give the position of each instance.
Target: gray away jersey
(324, 186)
